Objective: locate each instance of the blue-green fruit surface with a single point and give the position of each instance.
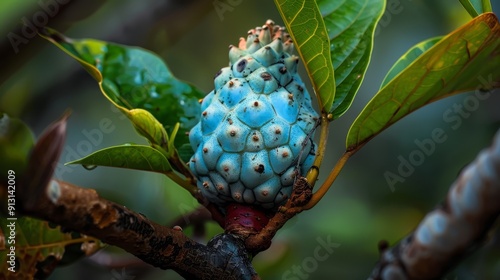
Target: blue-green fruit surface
(256, 126)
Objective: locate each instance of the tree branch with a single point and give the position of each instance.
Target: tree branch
(260, 241)
(82, 210)
(453, 230)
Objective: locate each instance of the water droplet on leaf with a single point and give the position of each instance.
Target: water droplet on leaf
(89, 166)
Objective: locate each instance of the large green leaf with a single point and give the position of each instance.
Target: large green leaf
(38, 248)
(130, 156)
(304, 23)
(134, 78)
(464, 60)
(411, 55)
(16, 141)
(351, 26)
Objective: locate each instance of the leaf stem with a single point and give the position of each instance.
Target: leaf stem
(181, 166)
(487, 6)
(318, 195)
(186, 184)
(312, 174)
(470, 8)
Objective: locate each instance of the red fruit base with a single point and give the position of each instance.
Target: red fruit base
(248, 217)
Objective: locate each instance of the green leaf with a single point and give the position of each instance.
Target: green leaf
(139, 157)
(351, 26)
(477, 7)
(39, 248)
(304, 23)
(134, 78)
(16, 142)
(411, 55)
(148, 126)
(464, 60)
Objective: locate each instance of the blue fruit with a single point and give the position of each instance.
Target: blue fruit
(255, 133)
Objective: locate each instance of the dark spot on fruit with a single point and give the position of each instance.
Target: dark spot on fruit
(255, 138)
(226, 168)
(256, 104)
(204, 113)
(259, 168)
(231, 83)
(241, 65)
(205, 185)
(277, 131)
(205, 150)
(290, 96)
(232, 133)
(218, 73)
(230, 121)
(285, 154)
(220, 187)
(266, 76)
(237, 196)
(282, 70)
(300, 88)
(265, 192)
(267, 47)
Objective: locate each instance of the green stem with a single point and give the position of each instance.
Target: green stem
(186, 184)
(487, 6)
(318, 195)
(312, 174)
(470, 8)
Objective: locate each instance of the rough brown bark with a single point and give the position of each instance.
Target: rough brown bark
(453, 230)
(82, 210)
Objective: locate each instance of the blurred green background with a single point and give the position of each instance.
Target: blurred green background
(38, 83)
